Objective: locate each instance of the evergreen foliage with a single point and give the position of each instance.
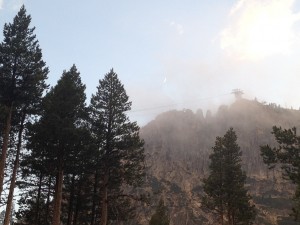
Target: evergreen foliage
(22, 70)
(286, 154)
(160, 217)
(22, 83)
(120, 153)
(22, 76)
(224, 189)
(58, 140)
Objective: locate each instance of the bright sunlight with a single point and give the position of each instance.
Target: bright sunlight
(260, 28)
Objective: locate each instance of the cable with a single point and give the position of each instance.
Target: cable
(174, 104)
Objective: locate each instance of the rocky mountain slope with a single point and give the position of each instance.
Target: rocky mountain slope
(178, 144)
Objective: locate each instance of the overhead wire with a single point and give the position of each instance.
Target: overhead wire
(175, 104)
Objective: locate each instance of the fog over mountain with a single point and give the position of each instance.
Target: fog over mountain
(178, 144)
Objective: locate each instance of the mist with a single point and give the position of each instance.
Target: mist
(179, 63)
(255, 48)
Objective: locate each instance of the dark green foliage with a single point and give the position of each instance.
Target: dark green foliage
(119, 145)
(22, 70)
(120, 152)
(22, 83)
(57, 135)
(59, 141)
(160, 217)
(224, 187)
(286, 154)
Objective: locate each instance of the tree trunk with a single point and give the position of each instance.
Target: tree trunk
(58, 197)
(222, 214)
(233, 218)
(104, 208)
(14, 174)
(6, 132)
(230, 222)
(70, 210)
(94, 199)
(37, 213)
(48, 199)
(78, 203)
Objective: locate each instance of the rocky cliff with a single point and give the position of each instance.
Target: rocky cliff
(178, 144)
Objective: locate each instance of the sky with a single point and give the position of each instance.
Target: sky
(172, 54)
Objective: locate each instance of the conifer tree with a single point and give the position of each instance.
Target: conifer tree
(22, 76)
(56, 139)
(224, 189)
(160, 217)
(286, 154)
(120, 153)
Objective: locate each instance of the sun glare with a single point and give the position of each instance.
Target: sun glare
(259, 29)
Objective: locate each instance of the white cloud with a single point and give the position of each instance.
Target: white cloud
(1, 4)
(260, 28)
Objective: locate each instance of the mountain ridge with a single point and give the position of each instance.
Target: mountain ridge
(178, 144)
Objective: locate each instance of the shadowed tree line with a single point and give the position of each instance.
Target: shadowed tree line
(75, 163)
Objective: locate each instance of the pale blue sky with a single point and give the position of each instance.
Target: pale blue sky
(173, 54)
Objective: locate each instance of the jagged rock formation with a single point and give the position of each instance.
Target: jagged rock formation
(178, 144)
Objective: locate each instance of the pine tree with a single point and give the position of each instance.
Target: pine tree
(120, 154)
(56, 139)
(160, 217)
(286, 154)
(22, 76)
(224, 189)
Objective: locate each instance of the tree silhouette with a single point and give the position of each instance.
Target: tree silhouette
(224, 189)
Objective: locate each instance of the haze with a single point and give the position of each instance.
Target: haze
(173, 54)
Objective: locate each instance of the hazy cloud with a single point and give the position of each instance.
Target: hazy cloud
(260, 28)
(178, 27)
(16, 4)
(11, 4)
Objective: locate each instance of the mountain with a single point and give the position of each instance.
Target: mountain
(178, 144)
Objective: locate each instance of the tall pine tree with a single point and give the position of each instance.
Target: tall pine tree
(56, 139)
(224, 189)
(120, 150)
(22, 75)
